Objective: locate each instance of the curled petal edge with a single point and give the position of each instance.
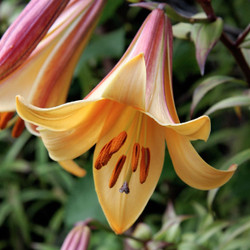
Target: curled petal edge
(190, 167)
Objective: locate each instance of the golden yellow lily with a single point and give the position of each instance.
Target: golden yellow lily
(44, 77)
(129, 116)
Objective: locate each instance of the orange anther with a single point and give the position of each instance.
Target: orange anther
(117, 170)
(144, 167)
(104, 156)
(4, 118)
(135, 156)
(117, 142)
(18, 128)
(109, 149)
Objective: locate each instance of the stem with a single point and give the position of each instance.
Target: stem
(236, 52)
(242, 36)
(207, 7)
(232, 47)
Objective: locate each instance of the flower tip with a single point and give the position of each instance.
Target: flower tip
(19, 99)
(71, 167)
(233, 167)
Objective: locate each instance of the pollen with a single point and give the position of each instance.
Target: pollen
(117, 170)
(135, 156)
(144, 166)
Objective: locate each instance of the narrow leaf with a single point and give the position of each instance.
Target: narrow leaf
(229, 103)
(238, 159)
(234, 231)
(205, 36)
(207, 85)
(212, 230)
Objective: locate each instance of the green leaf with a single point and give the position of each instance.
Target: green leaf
(229, 103)
(181, 18)
(42, 246)
(235, 231)
(210, 197)
(241, 244)
(17, 147)
(238, 159)
(212, 230)
(182, 30)
(83, 203)
(205, 36)
(18, 213)
(207, 85)
(5, 210)
(246, 43)
(105, 45)
(109, 10)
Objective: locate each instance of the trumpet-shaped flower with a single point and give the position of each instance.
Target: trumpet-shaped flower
(129, 116)
(43, 78)
(17, 43)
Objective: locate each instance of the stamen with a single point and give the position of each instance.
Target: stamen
(18, 128)
(117, 170)
(135, 156)
(109, 149)
(4, 118)
(144, 167)
(104, 156)
(118, 141)
(124, 188)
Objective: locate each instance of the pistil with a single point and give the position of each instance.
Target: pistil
(124, 188)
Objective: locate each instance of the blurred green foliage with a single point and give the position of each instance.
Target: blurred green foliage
(40, 202)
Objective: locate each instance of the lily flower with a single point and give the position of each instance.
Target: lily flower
(129, 115)
(78, 238)
(26, 32)
(43, 77)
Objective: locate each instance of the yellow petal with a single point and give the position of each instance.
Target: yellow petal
(73, 142)
(121, 210)
(62, 117)
(190, 167)
(73, 168)
(126, 84)
(195, 129)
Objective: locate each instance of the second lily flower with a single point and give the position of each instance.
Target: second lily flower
(44, 77)
(129, 116)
